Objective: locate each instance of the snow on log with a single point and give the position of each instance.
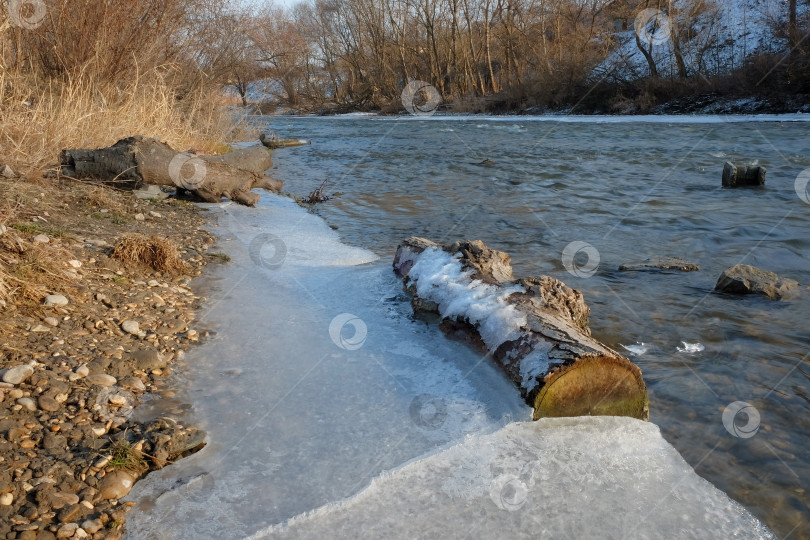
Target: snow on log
(536, 329)
(137, 160)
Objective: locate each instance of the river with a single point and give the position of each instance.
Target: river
(629, 188)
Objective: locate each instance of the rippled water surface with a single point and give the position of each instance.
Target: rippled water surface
(632, 190)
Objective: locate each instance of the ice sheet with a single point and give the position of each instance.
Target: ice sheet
(318, 380)
(600, 477)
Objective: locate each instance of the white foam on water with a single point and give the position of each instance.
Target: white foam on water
(636, 349)
(691, 348)
(589, 477)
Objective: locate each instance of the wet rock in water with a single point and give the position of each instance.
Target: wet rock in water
(747, 279)
(116, 485)
(661, 263)
(101, 379)
(55, 300)
(18, 374)
(751, 175)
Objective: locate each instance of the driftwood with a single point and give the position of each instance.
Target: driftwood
(751, 175)
(317, 194)
(274, 142)
(136, 160)
(545, 344)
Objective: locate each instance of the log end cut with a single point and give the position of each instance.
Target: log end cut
(598, 385)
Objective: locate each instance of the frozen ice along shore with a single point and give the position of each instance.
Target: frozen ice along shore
(586, 477)
(301, 417)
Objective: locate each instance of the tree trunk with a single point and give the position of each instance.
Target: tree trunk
(536, 329)
(137, 160)
(647, 56)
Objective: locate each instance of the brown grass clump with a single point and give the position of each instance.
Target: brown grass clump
(29, 270)
(158, 253)
(100, 197)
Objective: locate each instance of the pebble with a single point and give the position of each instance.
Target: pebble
(101, 379)
(40, 328)
(6, 499)
(92, 526)
(7, 172)
(82, 371)
(52, 321)
(41, 239)
(75, 264)
(116, 485)
(131, 327)
(28, 403)
(47, 403)
(139, 217)
(56, 300)
(134, 383)
(18, 374)
(67, 530)
(155, 214)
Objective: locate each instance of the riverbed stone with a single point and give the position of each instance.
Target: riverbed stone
(18, 374)
(148, 359)
(661, 263)
(116, 485)
(56, 300)
(747, 279)
(27, 403)
(101, 379)
(47, 403)
(131, 327)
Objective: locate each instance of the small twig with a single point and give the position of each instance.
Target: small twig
(317, 195)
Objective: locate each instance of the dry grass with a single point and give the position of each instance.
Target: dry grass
(38, 119)
(158, 253)
(27, 270)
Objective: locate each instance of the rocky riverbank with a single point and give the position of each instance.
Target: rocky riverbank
(88, 333)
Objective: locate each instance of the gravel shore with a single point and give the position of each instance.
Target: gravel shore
(85, 337)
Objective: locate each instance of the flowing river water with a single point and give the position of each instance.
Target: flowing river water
(632, 188)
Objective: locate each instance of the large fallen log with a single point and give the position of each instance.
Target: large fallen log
(136, 160)
(536, 329)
